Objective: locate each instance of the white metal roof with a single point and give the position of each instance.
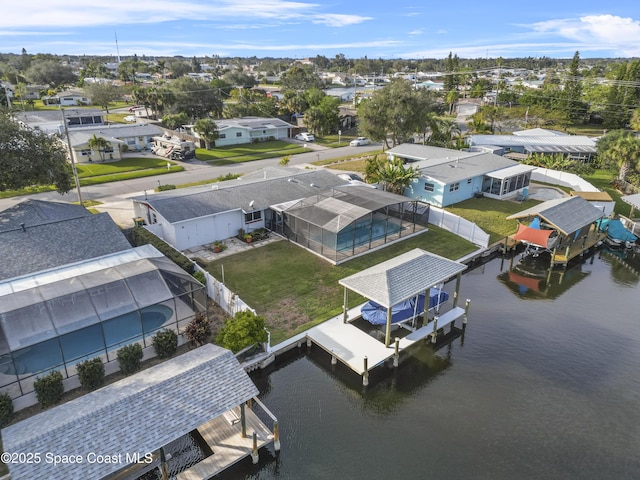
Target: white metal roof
(402, 277)
(511, 171)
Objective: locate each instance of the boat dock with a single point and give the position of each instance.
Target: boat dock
(230, 441)
(388, 284)
(361, 352)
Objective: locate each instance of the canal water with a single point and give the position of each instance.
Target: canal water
(545, 384)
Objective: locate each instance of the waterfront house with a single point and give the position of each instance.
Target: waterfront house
(72, 288)
(451, 176)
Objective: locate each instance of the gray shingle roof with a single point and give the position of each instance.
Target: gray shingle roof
(81, 136)
(138, 414)
(402, 277)
(538, 142)
(183, 205)
(456, 170)
(54, 234)
(568, 214)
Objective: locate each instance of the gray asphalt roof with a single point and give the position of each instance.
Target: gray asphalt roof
(140, 413)
(417, 152)
(39, 116)
(55, 234)
(568, 214)
(466, 167)
(183, 205)
(537, 141)
(254, 123)
(402, 277)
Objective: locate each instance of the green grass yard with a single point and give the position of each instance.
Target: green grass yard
(295, 289)
(248, 152)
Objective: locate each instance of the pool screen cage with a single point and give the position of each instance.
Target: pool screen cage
(349, 221)
(55, 320)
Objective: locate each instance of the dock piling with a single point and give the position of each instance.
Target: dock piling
(365, 375)
(334, 359)
(396, 354)
(243, 421)
(467, 303)
(434, 335)
(308, 343)
(254, 452)
(276, 436)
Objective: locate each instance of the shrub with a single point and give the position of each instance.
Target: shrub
(199, 276)
(199, 330)
(6, 409)
(129, 358)
(244, 329)
(91, 373)
(49, 389)
(141, 236)
(165, 343)
(162, 188)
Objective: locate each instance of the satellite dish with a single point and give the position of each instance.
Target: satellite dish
(251, 203)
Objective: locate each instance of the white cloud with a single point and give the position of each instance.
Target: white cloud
(442, 32)
(416, 32)
(601, 32)
(339, 20)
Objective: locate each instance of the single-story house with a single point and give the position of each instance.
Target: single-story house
(316, 209)
(195, 216)
(135, 137)
(50, 121)
(576, 147)
(67, 98)
(236, 131)
(72, 288)
(451, 176)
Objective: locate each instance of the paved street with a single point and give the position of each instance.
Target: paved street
(116, 195)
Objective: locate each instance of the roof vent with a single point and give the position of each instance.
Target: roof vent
(24, 229)
(312, 185)
(214, 187)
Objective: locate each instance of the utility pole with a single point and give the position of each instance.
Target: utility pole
(73, 161)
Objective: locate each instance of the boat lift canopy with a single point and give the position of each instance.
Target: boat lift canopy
(399, 279)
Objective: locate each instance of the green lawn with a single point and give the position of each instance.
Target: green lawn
(96, 173)
(490, 215)
(602, 179)
(248, 152)
(334, 141)
(295, 289)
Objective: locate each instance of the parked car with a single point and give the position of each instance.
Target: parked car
(358, 142)
(130, 118)
(350, 177)
(305, 137)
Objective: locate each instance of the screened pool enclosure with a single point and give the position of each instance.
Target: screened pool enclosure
(56, 319)
(349, 221)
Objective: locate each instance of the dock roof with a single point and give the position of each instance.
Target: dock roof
(402, 277)
(567, 214)
(138, 414)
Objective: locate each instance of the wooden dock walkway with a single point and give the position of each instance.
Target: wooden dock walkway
(563, 257)
(224, 436)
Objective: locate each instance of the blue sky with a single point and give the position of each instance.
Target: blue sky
(300, 28)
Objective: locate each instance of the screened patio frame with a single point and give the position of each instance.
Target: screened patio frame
(348, 221)
(50, 322)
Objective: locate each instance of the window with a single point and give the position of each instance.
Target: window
(238, 134)
(454, 187)
(252, 217)
(429, 187)
(468, 181)
(222, 135)
(85, 152)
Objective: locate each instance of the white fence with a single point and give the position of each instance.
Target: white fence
(458, 225)
(224, 297)
(556, 177)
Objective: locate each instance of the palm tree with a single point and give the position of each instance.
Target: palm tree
(100, 144)
(620, 149)
(392, 174)
(207, 129)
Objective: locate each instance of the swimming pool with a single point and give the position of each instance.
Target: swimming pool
(88, 342)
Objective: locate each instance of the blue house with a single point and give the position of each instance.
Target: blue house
(451, 176)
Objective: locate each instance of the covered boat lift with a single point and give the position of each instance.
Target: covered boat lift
(123, 430)
(388, 283)
(573, 218)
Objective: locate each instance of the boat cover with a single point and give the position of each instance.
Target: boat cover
(534, 236)
(617, 231)
(376, 314)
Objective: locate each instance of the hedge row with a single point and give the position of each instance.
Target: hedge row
(142, 236)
